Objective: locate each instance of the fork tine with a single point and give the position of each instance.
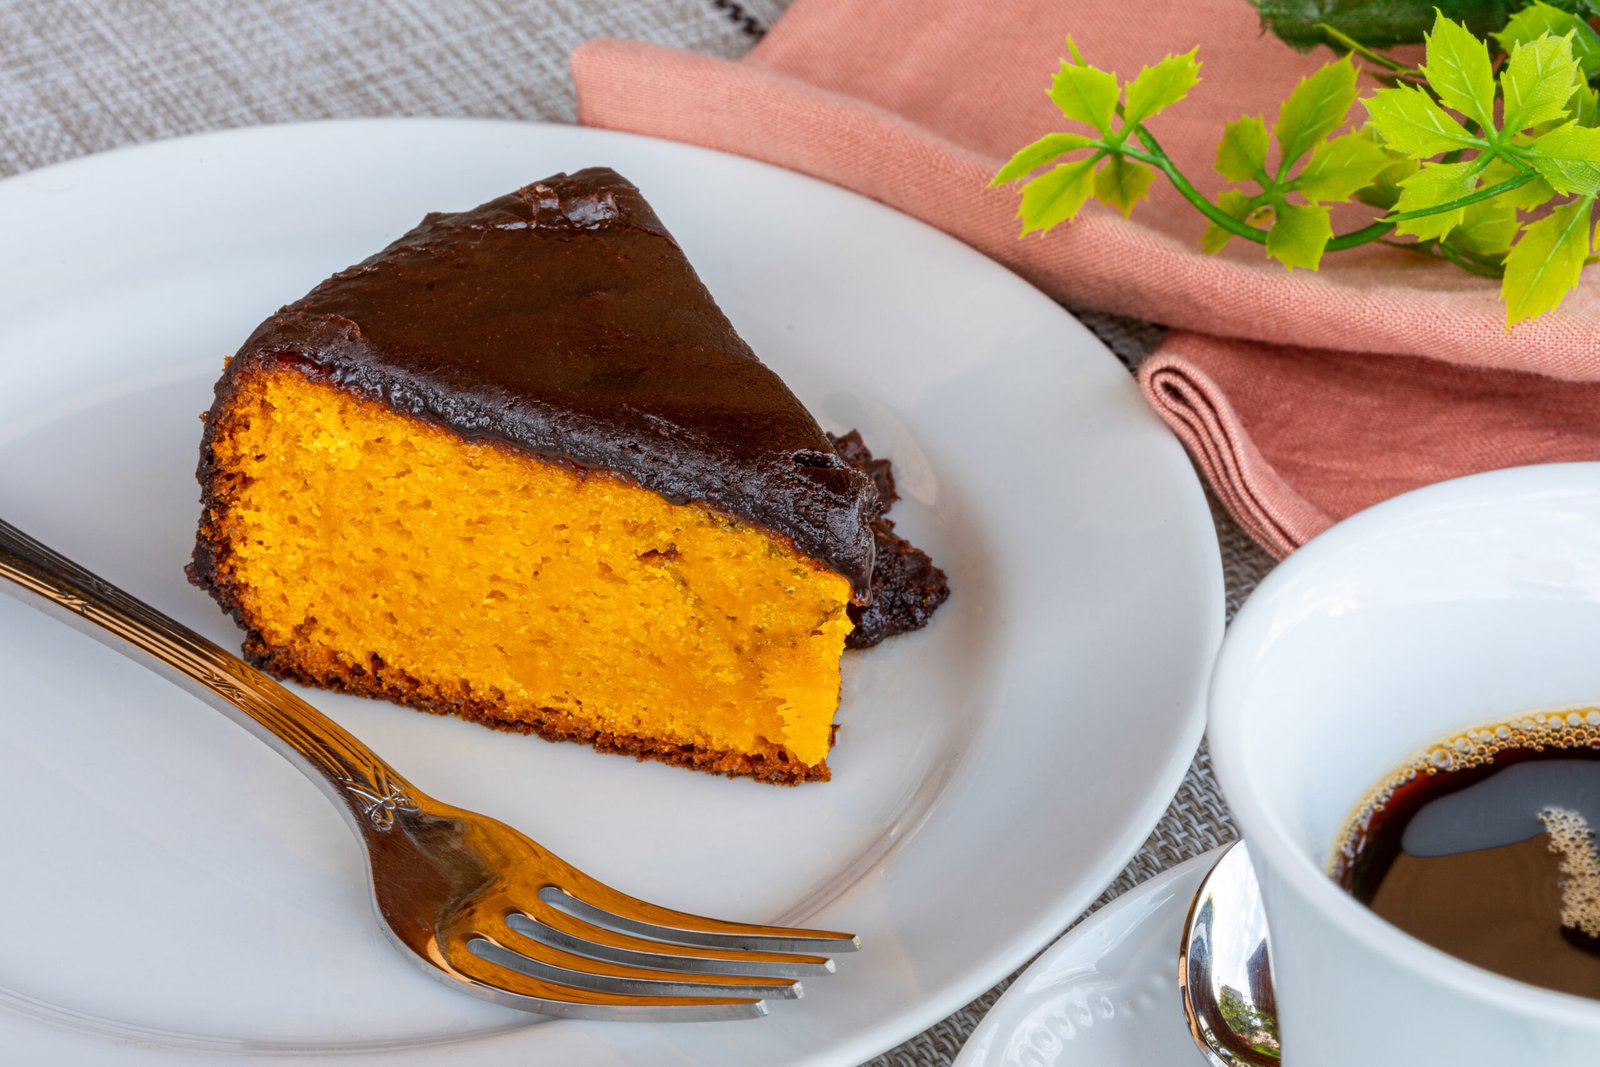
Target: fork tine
(518, 952)
(516, 989)
(553, 926)
(604, 906)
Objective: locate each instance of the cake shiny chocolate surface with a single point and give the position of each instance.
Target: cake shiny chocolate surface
(564, 319)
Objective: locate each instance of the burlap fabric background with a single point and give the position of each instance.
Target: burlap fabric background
(81, 76)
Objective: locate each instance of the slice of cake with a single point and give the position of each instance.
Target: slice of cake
(518, 467)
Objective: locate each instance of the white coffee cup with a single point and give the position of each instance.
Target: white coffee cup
(1462, 604)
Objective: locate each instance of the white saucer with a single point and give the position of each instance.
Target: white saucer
(1106, 994)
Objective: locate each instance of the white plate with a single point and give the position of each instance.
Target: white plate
(172, 884)
(1105, 995)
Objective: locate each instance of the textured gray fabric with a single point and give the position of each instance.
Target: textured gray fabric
(81, 76)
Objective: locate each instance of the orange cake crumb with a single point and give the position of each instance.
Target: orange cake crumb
(373, 552)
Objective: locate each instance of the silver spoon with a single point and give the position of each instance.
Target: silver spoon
(1225, 968)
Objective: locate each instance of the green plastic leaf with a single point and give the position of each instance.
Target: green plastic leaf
(1584, 106)
(1525, 197)
(1458, 69)
(1056, 195)
(1410, 122)
(1159, 87)
(1242, 152)
(1375, 23)
(1539, 20)
(1537, 82)
(1050, 146)
(1586, 8)
(1299, 234)
(1568, 157)
(1087, 94)
(1487, 228)
(1234, 203)
(1339, 167)
(1546, 262)
(1316, 107)
(1122, 183)
(1434, 184)
(1384, 192)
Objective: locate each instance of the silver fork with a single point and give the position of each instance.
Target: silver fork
(468, 899)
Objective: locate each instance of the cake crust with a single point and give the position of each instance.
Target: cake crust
(772, 765)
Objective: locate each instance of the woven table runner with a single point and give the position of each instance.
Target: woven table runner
(82, 76)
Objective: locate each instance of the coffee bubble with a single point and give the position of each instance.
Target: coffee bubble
(1572, 839)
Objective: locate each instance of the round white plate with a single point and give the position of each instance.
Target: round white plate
(172, 884)
(1106, 994)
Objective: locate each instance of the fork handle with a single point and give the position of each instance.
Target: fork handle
(370, 791)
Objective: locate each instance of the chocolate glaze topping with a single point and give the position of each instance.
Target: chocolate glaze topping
(564, 319)
(907, 588)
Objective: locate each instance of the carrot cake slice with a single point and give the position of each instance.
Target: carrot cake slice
(519, 467)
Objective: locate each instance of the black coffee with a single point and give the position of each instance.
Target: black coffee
(1485, 848)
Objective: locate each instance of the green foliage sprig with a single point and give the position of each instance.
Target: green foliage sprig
(1488, 157)
(1378, 23)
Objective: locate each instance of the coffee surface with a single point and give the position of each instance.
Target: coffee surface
(1486, 851)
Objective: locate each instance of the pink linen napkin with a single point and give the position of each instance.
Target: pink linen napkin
(1314, 395)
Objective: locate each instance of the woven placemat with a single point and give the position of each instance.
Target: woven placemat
(82, 76)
